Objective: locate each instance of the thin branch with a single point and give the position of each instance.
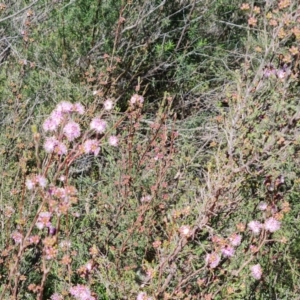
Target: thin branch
(19, 12)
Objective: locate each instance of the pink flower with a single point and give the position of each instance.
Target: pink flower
(43, 220)
(72, 130)
(50, 144)
(227, 251)
(143, 296)
(146, 198)
(51, 124)
(213, 260)
(58, 116)
(59, 193)
(42, 181)
(185, 230)
(262, 206)
(79, 108)
(89, 266)
(108, 104)
(29, 184)
(113, 141)
(64, 106)
(62, 178)
(56, 296)
(272, 225)
(81, 292)
(235, 240)
(91, 146)
(136, 99)
(17, 237)
(34, 239)
(269, 71)
(50, 252)
(281, 73)
(61, 149)
(256, 271)
(98, 125)
(255, 227)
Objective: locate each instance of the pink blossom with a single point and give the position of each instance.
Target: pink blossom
(62, 178)
(64, 106)
(89, 266)
(29, 184)
(51, 229)
(143, 296)
(34, 239)
(50, 144)
(262, 206)
(272, 225)
(81, 292)
(57, 116)
(56, 296)
(113, 141)
(146, 198)
(213, 260)
(50, 124)
(50, 253)
(72, 130)
(255, 227)
(228, 251)
(256, 271)
(235, 240)
(136, 99)
(281, 73)
(43, 220)
(185, 230)
(59, 193)
(269, 71)
(98, 125)
(91, 146)
(108, 104)
(17, 237)
(79, 108)
(61, 148)
(42, 181)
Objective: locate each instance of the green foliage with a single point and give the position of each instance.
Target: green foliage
(216, 139)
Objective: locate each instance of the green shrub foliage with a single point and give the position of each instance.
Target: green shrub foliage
(149, 149)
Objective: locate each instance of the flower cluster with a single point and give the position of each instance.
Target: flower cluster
(98, 125)
(136, 99)
(256, 271)
(59, 114)
(143, 296)
(17, 237)
(213, 260)
(70, 130)
(281, 73)
(52, 145)
(226, 248)
(271, 225)
(81, 292)
(185, 230)
(91, 146)
(56, 296)
(35, 180)
(43, 220)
